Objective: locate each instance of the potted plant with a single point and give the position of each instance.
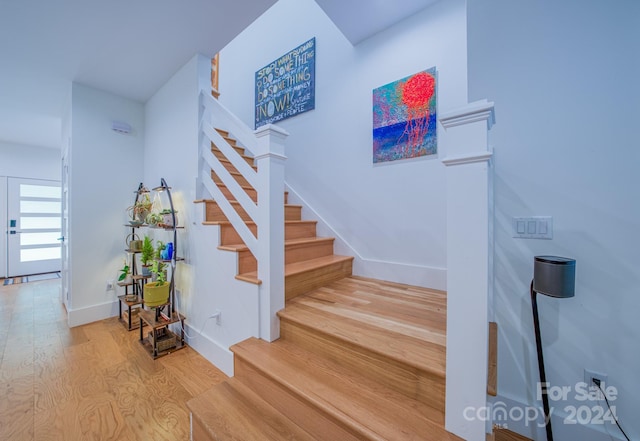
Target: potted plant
(157, 293)
(168, 216)
(147, 255)
(160, 246)
(124, 272)
(154, 219)
(141, 209)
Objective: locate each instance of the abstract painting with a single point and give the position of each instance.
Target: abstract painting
(404, 118)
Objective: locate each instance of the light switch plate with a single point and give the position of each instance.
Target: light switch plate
(535, 227)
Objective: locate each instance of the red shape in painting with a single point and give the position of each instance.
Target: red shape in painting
(416, 93)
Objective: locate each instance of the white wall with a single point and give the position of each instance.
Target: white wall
(105, 169)
(27, 161)
(392, 215)
(205, 279)
(564, 77)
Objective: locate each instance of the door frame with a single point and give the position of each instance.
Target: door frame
(4, 208)
(15, 266)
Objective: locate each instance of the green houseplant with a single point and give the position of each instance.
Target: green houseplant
(160, 246)
(147, 255)
(154, 219)
(157, 293)
(124, 272)
(141, 209)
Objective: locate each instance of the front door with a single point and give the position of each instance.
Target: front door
(33, 226)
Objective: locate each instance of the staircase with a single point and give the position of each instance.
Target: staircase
(358, 359)
(309, 260)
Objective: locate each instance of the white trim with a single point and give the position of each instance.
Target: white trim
(5, 224)
(468, 159)
(270, 129)
(220, 356)
(93, 313)
(270, 155)
(409, 273)
(482, 110)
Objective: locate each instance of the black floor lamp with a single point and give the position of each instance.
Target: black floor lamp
(556, 277)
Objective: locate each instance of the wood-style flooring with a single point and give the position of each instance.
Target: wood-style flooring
(93, 382)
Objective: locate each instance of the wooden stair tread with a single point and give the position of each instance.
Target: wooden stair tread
(370, 409)
(215, 148)
(306, 265)
(244, 187)
(421, 346)
(290, 222)
(212, 201)
(255, 167)
(407, 304)
(232, 411)
(287, 243)
(298, 267)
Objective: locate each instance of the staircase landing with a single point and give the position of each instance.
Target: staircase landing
(358, 359)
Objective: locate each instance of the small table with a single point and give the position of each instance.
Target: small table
(161, 341)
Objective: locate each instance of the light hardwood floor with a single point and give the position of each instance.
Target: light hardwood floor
(92, 382)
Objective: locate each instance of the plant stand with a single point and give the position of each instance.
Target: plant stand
(129, 317)
(161, 340)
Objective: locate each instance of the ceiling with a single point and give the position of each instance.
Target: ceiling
(360, 19)
(129, 48)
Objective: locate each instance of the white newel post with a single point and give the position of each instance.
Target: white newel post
(270, 159)
(469, 272)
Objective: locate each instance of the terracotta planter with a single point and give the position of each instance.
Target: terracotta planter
(155, 295)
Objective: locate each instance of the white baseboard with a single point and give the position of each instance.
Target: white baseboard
(218, 355)
(93, 313)
(418, 275)
(435, 278)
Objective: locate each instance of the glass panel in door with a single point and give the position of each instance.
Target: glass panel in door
(33, 227)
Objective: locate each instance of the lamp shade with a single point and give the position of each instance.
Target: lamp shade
(554, 276)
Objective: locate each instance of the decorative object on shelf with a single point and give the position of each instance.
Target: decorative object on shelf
(141, 207)
(169, 218)
(167, 252)
(404, 118)
(133, 242)
(555, 277)
(146, 255)
(154, 219)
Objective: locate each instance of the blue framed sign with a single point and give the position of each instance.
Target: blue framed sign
(287, 86)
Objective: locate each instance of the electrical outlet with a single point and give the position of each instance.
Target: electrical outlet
(589, 376)
(109, 285)
(218, 317)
